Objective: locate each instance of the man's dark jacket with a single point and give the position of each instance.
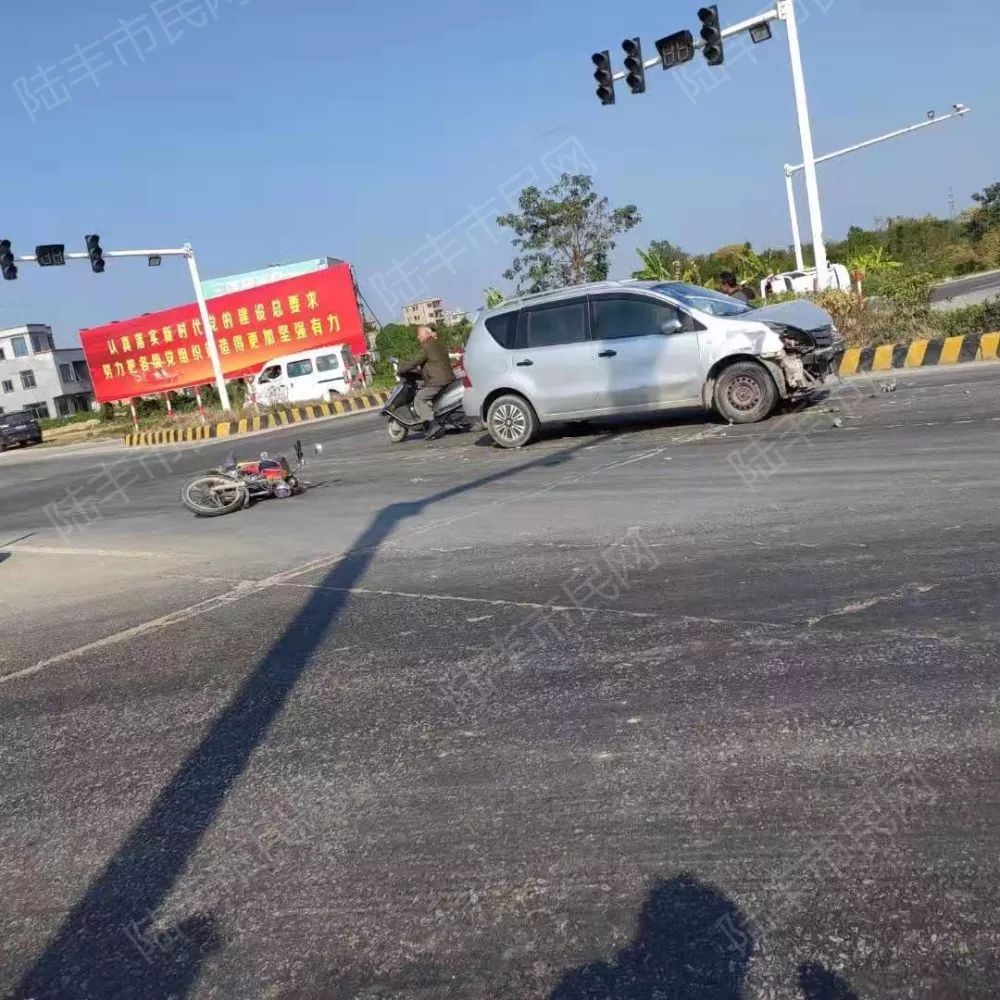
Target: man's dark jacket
(436, 366)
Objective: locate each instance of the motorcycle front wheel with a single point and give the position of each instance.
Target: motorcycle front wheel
(213, 495)
(397, 432)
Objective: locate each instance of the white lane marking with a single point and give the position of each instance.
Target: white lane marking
(250, 587)
(629, 461)
(855, 606)
(44, 550)
(245, 588)
(491, 601)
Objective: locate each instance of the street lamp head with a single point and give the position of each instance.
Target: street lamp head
(959, 109)
(155, 260)
(930, 115)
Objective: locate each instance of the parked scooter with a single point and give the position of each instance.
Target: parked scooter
(401, 418)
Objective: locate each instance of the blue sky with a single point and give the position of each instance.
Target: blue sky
(276, 130)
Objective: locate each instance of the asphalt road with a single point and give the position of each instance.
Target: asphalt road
(644, 710)
(974, 288)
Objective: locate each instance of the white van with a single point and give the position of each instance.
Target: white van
(323, 373)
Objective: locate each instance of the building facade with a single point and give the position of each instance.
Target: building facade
(424, 312)
(38, 377)
(453, 317)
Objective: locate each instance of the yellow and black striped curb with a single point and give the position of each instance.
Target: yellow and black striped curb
(283, 418)
(921, 353)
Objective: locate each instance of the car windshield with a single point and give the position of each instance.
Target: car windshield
(703, 299)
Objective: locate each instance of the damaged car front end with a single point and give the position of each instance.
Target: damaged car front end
(812, 347)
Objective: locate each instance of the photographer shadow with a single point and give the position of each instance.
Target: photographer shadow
(681, 950)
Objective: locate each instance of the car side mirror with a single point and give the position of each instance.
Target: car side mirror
(671, 326)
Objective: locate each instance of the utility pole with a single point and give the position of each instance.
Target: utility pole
(951, 204)
(958, 111)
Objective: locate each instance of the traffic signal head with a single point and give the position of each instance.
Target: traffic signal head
(7, 265)
(711, 35)
(636, 78)
(604, 77)
(95, 253)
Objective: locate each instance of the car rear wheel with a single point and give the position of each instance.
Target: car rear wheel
(511, 421)
(745, 393)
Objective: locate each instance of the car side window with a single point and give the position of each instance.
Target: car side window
(299, 368)
(503, 328)
(618, 316)
(270, 373)
(550, 326)
(328, 363)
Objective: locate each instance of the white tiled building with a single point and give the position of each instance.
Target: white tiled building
(38, 377)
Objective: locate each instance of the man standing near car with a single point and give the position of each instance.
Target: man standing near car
(728, 285)
(436, 372)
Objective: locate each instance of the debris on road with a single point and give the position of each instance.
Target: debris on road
(888, 386)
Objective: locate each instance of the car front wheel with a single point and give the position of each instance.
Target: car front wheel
(511, 421)
(745, 393)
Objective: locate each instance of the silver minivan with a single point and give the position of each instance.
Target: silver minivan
(626, 347)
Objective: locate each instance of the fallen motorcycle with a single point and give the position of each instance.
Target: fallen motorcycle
(235, 484)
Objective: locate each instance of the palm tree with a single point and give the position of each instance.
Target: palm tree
(492, 297)
(657, 268)
(869, 262)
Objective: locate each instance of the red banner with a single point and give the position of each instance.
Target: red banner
(166, 350)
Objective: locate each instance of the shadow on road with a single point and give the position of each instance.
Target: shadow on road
(679, 951)
(817, 983)
(684, 949)
(111, 944)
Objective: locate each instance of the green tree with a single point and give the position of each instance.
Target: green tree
(564, 235)
(456, 335)
(870, 262)
(492, 297)
(668, 251)
(396, 340)
(986, 214)
(655, 267)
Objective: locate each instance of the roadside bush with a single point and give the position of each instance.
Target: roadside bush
(48, 423)
(910, 287)
(981, 317)
(384, 378)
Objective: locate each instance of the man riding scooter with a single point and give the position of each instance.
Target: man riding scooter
(437, 374)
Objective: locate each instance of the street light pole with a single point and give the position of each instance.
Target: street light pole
(206, 325)
(786, 12)
(793, 214)
(790, 171)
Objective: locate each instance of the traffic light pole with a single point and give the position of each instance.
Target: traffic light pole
(790, 171)
(187, 252)
(786, 12)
